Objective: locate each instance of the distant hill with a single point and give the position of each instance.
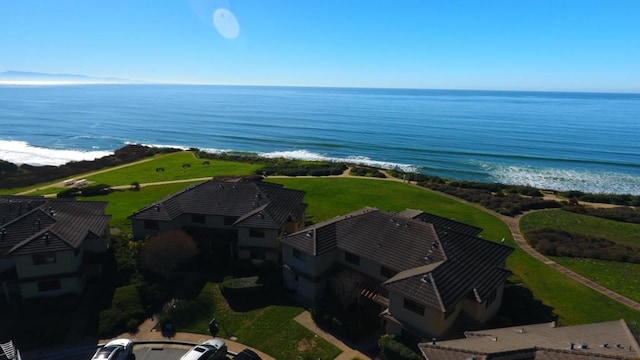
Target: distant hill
(13, 76)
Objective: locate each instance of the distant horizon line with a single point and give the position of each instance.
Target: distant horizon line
(119, 81)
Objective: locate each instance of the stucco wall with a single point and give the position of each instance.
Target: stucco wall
(66, 262)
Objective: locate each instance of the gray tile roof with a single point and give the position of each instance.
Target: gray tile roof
(255, 204)
(436, 266)
(606, 340)
(49, 225)
(442, 222)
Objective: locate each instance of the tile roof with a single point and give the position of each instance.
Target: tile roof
(435, 265)
(442, 222)
(46, 225)
(605, 340)
(254, 203)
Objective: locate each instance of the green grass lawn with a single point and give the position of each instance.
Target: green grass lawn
(123, 203)
(619, 232)
(270, 329)
(173, 170)
(623, 278)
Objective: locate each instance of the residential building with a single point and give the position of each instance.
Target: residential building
(244, 218)
(605, 340)
(50, 247)
(426, 273)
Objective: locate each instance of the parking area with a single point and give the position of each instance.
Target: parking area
(159, 352)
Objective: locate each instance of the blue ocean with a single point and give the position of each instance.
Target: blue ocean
(551, 140)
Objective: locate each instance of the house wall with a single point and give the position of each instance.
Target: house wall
(98, 245)
(270, 239)
(366, 266)
(6, 264)
(309, 285)
(66, 262)
(431, 323)
(481, 311)
(70, 285)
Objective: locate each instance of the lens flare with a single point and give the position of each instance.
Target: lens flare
(226, 23)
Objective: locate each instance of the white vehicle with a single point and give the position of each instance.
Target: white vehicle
(119, 349)
(213, 349)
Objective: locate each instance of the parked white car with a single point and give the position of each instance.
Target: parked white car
(213, 349)
(119, 349)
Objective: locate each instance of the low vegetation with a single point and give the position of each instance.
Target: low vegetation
(507, 200)
(616, 199)
(13, 176)
(554, 242)
(367, 172)
(619, 213)
(302, 168)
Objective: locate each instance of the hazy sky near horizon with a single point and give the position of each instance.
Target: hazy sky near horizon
(567, 45)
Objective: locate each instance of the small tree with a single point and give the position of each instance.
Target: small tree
(347, 285)
(164, 252)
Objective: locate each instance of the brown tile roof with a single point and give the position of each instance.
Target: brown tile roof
(436, 266)
(606, 340)
(51, 226)
(255, 204)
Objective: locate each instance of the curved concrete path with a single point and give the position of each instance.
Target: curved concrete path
(514, 227)
(513, 223)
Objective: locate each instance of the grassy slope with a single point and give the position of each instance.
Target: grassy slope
(620, 232)
(173, 170)
(606, 273)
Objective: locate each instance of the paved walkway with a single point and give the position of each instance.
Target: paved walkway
(514, 227)
(348, 351)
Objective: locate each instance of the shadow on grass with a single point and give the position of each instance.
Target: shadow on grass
(520, 307)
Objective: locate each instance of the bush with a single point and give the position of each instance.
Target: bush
(621, 213)
(390, 349)
(563, 243)
(126, 308)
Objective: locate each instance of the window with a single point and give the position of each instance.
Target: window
(43, 259)
(197, 218)
(49, 285)
(258, 255)
(413, 306)
(256, 233)
(352, 258)
(386, 272)
(151, 225)
(228, 220)
(490, 299)
(298, 254)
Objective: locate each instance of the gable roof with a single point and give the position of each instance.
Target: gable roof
(435, 265)
(254, 203)
(605, 340)
(45, 225)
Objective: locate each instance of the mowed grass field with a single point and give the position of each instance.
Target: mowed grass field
(623, 278)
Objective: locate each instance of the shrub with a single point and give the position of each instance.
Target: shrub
(563, 243)
(125, 309)
(390, 349)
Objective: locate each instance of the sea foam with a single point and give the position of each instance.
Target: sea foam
(21, 152)
(567, 179)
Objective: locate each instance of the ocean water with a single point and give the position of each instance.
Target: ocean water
(578, 141)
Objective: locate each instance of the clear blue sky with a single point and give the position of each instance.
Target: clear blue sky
(454, 44)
